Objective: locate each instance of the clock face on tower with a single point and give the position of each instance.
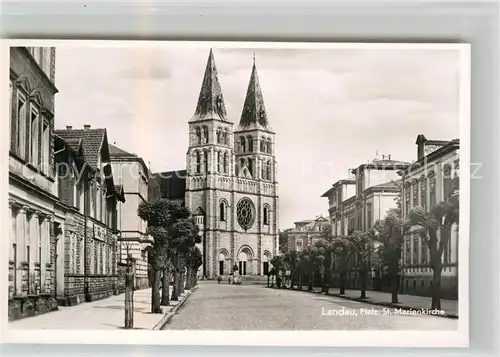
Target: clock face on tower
(245, 213)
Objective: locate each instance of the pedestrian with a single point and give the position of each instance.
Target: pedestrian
(229, 279)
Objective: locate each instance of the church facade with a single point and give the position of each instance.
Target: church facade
(230, 183)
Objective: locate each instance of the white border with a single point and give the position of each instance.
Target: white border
(459, 338)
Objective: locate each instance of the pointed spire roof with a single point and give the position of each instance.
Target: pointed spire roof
(254, 115)
(210, 102)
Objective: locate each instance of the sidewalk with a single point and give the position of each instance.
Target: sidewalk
(406, 302)
(106, 314)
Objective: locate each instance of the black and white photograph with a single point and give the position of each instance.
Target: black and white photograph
(189, 192)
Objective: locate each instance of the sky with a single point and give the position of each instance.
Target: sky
(332, 109)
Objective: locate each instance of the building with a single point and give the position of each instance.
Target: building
(230, 180)
(430, 180)
(307, 232)
(131, 174)
(356, 204)
(89, 198)
(340, 206)
(36, 222)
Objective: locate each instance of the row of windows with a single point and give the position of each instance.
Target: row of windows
(30, 130)
(203, 137)
(247, 144)
(416, 252)
(223, 205)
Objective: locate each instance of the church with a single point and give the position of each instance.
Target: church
(230, 180)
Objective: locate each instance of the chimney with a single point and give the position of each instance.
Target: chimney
(69, 127)
(421, 139)
(86, 126)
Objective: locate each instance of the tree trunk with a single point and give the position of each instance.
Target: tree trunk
(165, 288)
(129, 301)
(363, 283)
(188, 279)
(175, 287)
(436, 287)
(342, 283)
(155, 294)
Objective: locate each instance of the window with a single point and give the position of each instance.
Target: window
(447, 182)
(198, 162)
(369, 218)
(266, 215)
(21, 125)
(415, 193)
(45, 147)
(250, 166)
(205, 134)
(250, 143)
(268, 170)
(198, 135)
(33, 136)
(222, 211)
(423, 193)
(432, 193)
(205, 156)
(219, 162)
(408, 251)
(226, 137)
(407, 199)
(423, 252)
(415, 249)
(226, 166)
(269, 146)
(98, 197)
(263, 145)
(243, 144)
(298, 245)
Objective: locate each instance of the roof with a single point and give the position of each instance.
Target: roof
(386, 186)
(384, 164)
(451, 146)
(93, 141)
(337, 184)
(254, 115)
(116, 151)
(210, 101)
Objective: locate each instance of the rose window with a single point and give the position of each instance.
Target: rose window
(245, 213)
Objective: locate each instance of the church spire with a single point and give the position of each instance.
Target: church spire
(210, 102)
(254, 113)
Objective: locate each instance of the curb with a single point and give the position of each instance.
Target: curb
(169, 315)
(377, 303)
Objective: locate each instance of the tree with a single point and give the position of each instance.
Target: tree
(278, 265)
(194, 260)
(389, 233)
(161, 216)
(291, 260)
(363, 247)
(435, 228)
(343, 253)
(283, 240)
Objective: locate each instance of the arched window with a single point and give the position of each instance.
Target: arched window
(243, 144)
(268, 170)
(205, 158)
(269, 146)
(250, 143)
(198, 162)
(262, 170)
(250, 166)
(266, 215)
(198, 135)
(205, 134)
(219, 162)
(242, 164)
(226, 137)
(222, 211)
(226, 166)
(263, 145)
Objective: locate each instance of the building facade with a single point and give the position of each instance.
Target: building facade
(433, 178)
(340, 196)
(131, 173)
(89, 197)
(231, 182)
(307, 232)
(36, 222)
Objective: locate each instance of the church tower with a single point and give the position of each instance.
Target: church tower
(230, 184)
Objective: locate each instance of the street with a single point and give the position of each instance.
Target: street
(254, 307)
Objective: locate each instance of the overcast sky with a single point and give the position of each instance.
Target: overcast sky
(331, 109)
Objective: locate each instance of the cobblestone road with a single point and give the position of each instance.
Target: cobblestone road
(254, 307)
